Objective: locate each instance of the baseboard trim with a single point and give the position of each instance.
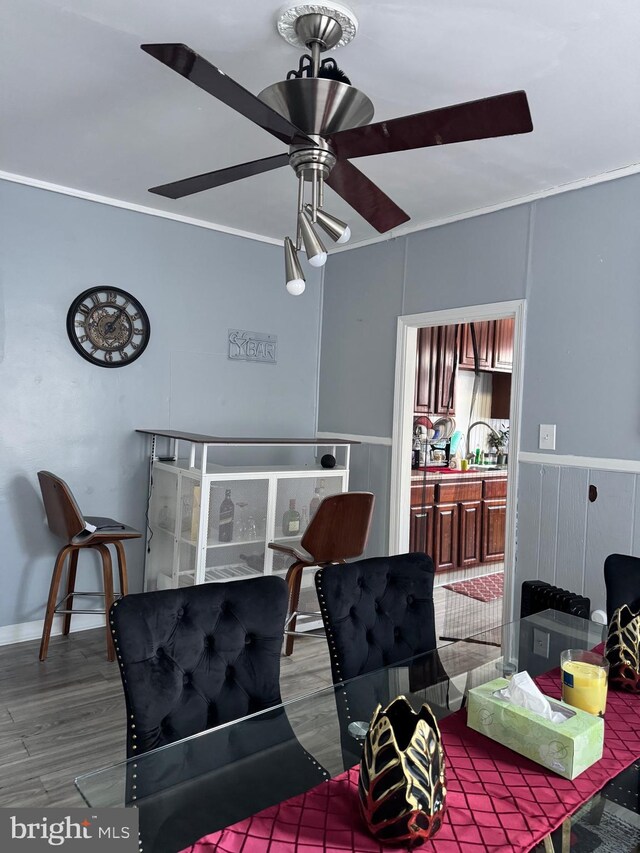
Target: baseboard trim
(26, 631)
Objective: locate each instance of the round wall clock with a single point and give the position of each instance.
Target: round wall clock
(108, 326)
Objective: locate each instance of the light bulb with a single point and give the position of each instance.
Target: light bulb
(294, 277)
(331, 225)
(296, 286)
(345, 237)
(313, 246)
(318, 260)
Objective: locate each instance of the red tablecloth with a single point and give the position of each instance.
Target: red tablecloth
(497, 800)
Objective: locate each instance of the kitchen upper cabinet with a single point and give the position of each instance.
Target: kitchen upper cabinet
(484, 343)
(435, 370)
(446, 369)
(425, 370)
(503, 345)
(494, 339)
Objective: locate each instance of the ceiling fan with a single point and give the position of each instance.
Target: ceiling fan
(325, 122)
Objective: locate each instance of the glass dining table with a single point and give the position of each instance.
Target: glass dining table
(206, 782)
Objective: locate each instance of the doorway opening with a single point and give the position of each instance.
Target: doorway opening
(454, 458)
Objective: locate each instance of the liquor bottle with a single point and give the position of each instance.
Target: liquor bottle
(291, 520)
(227, 509)
(314, 503)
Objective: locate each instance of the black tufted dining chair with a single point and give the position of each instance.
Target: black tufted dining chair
(197, 657)
(622, 581)
(377, 612)
(193, 659)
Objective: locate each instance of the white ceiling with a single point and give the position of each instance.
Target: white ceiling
(81, 106)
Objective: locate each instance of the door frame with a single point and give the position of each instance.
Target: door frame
(403, 405)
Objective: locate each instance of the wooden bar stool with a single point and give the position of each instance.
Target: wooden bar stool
(80, 532)
(337, 532)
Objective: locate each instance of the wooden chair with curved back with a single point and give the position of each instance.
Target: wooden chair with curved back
(337, 532)
(80, 532)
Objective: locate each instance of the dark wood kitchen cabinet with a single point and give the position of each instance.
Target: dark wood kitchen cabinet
(421, 533)
(459, 522)
(445, 536)
(494, 516)
(494, 520)
(435, 374)
(470, 513)
(503, 345)
(425, 370)
(484, 342)
(494, 339)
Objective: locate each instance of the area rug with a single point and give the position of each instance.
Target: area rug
(485, 588)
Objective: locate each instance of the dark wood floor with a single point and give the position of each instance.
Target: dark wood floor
(67, 716)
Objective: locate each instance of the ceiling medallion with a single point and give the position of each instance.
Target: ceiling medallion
(289, 16)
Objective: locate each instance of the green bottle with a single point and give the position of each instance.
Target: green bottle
(291, 520)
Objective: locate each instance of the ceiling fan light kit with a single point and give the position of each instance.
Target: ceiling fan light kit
(325, 121)
(294, 277)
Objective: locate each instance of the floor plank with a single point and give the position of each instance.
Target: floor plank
(66, 716)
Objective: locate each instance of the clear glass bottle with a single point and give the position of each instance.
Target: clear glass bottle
(314, 503)
(291, 520)
(227, 510)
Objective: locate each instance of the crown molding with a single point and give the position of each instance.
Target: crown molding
(137, 208)
(403, 231)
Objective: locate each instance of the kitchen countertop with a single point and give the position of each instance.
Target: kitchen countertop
(438, 473)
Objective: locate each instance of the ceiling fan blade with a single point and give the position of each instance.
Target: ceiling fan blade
(365, 197)
(500, 115)
(194, 67)
(198, 183)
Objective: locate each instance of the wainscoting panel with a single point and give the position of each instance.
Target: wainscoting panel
(549, 522)
(562, 537)
(572, 527)
(609, 527)
(369, 472)
(528, 528)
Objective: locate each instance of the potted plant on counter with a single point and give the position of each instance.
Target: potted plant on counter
(498, 441)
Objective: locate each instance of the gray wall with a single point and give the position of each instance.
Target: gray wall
(576, 258)
(61, 413)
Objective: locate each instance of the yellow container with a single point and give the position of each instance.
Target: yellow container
(584, 680)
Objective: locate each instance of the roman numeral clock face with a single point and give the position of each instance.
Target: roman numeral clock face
(108, 327)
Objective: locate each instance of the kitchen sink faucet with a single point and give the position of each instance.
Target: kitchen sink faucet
(475, 424)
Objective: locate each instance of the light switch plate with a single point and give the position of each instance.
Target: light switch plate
(547, 437)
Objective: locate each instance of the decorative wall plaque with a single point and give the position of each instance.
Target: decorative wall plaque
(252, 346)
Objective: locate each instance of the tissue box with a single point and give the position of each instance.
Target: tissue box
(567, 748)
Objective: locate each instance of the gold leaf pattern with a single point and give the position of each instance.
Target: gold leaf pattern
(402, 774)
(623, 649)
